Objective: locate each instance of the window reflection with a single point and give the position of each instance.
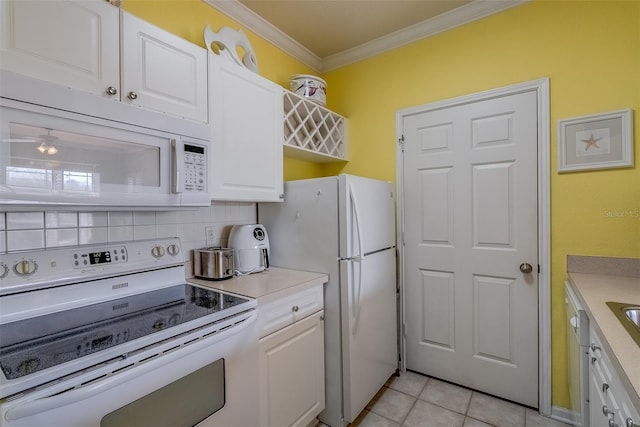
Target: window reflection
(52, 179)
(80, 163)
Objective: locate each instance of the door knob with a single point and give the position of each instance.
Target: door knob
(525, 267)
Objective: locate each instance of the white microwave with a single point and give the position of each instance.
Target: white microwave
(56, 157)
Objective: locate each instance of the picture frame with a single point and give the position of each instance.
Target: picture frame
(597, 141)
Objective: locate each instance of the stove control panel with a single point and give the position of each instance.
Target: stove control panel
(29, 270)
(112, 255)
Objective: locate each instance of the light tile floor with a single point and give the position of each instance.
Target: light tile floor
(414, 400)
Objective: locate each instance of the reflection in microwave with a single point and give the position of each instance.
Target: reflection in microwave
(52, 179)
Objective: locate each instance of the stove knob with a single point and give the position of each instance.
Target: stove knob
(25, 267)
(173, 249)
(157, 251)
(4, 270)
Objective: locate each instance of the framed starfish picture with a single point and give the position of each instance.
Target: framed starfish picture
(598, 141)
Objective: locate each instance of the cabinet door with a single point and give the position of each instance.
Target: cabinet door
(292, 373)
(247, 134)
(161, 71)
(71, 43)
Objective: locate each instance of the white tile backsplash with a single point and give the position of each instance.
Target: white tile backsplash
(93, 235)
(37, 230)
(186, 217)
(141, 232)
(60, 219)
(61, 237)
(19, 240)
(144, 218)
(92, 219)
(166, 217)
(166, 230)
(121, 233)
(25, 220)
(120, 218)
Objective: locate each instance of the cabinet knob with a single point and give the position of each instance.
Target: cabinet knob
(112, 90)
(605, 387)
(613, 423)
(606, 411)
(132, 96)
(629, 423)
(295, 308)
(595, 347)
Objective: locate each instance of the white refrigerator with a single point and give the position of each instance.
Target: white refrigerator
(344, 226)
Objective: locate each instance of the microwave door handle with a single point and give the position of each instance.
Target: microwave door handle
(177, 162)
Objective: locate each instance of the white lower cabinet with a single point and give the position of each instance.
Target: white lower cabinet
(292, 360)
(609, 403)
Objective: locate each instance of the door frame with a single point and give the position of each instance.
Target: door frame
(541, 88)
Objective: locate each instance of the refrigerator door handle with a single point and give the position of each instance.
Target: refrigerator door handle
(357, 292)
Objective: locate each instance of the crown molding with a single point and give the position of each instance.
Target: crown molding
(463, 15)
(470, 12)
(255, 23)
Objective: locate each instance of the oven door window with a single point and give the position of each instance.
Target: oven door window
(183, 403)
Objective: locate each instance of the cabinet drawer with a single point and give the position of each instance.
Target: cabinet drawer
(284, 311)
(608, 397)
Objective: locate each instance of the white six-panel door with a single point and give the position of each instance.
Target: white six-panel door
(470, 218)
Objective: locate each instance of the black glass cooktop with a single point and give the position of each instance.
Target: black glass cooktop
(31, 345)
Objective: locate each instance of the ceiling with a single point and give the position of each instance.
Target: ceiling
(328, 34)
(327, 27)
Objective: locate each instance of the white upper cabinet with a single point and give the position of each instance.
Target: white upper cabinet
(246, 113)
(94, 47)
(161, 71)
(72, 43)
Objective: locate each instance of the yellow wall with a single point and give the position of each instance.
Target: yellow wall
(590, 50)
(591, 53)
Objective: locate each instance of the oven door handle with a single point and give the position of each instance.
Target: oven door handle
(57, 401)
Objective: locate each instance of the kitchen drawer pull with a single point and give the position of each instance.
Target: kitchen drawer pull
(613, 423)
(595, 347)
(132, 96)
(295, 308)
(112, 90)
(629, 423)
(605, 387)
(606, 411)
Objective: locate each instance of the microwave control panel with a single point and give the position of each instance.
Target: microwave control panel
(195, 168)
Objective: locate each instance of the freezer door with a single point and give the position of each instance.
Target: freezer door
(369, 338)
(367, 215)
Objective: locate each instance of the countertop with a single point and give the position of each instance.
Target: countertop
(272, 283)
(593, 291)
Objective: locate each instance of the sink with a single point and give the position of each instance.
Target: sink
(629, 316)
